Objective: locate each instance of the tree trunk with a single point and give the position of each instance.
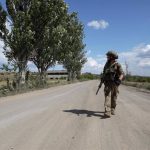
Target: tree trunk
(21, 75)
(78, 74)
(69, 76)
(42, 77)
(73, 75)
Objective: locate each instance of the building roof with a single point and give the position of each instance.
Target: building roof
(57, 71)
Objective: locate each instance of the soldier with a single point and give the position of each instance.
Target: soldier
(112, 77)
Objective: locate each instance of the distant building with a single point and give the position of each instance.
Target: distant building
(57, 74)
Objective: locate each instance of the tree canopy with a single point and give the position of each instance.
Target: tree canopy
(48, 19)
(74, 56)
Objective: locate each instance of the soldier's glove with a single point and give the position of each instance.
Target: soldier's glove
(118, 82)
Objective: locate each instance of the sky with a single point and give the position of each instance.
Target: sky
(119, 25)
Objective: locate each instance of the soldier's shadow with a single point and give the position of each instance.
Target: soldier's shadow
(88, 113)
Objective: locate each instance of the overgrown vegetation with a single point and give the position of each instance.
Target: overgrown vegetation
(137, 81)
(9, 87)
(89, 76)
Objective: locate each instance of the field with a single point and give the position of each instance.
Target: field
(7, 83)
(142, 85)
(137, 81)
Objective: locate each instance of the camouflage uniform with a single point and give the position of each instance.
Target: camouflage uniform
(111, 74)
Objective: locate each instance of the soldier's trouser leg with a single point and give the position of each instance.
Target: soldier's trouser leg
(107, 104)
(114, 94)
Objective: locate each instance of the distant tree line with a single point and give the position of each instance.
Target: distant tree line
(89, 76)
(134, 78)
(44, 32)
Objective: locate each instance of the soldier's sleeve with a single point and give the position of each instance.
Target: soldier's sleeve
(119, 69)
(102, 76)
(105, 66)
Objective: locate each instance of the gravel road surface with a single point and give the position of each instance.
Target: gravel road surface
(71, 117)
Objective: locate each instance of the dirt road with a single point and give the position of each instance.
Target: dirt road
(70, 117)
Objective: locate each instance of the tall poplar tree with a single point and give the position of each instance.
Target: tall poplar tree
(18, 43)
(73, 57)
(48, 19)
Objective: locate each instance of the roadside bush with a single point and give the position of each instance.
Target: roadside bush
(88, 76)
(137, 79)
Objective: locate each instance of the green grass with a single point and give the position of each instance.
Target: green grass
(143, 85)
(30, 86)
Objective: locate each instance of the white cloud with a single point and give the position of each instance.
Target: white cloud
(32, 67)
(137, 55)
(92, 65)
(92, 62)
(8, 25)
(98, 24)
(145, 62)
(138, 59)
(143, 51)
(2, 56)
(3, 59)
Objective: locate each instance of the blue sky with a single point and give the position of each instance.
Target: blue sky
(120, 25)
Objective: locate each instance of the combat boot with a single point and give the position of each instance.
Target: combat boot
(107, 114)
(113, 111)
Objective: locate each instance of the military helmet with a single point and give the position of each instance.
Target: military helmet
(113, 54)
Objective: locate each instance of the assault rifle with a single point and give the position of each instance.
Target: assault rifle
(99, 86)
